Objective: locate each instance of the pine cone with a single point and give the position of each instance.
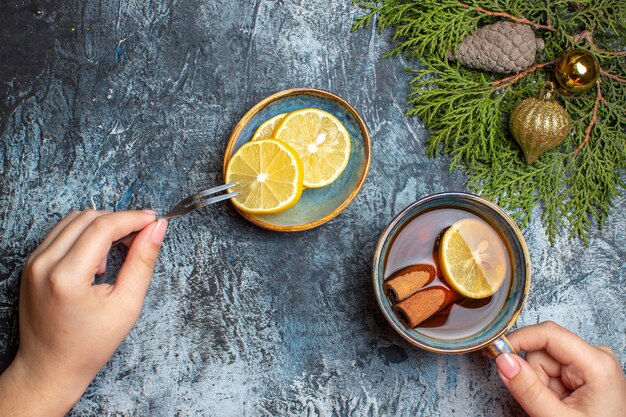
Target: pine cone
(502, 47)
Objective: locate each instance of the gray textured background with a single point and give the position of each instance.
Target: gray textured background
(129, 104)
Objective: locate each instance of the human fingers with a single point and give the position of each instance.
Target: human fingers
(558, 387)
(66, 237)
(609, 352)
(102, 268)
(128, 241)
(606, 349)
(55, 231)
(136, 272)
(548, 370)
(561, 344)
(543, 363)
(62, 238)
(83, 258)
(525, 385)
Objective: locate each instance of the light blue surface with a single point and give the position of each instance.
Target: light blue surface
(238, 320)
(315, 203)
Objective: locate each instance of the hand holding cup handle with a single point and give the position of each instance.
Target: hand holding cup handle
(561, 374)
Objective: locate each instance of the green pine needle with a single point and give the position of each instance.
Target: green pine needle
(468, 116)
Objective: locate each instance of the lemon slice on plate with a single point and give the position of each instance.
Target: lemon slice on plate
(266, 130)
(269, 174)
(473, 258)
(321, 141)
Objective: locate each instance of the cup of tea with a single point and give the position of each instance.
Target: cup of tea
(413, 242)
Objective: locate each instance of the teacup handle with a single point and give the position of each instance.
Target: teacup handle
(499, 346)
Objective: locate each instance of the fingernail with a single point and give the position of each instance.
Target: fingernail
(158, 231)
(151, 212)
(507, 365)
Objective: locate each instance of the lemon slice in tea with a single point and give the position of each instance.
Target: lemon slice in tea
(473, 258)
(321, 141)
(269, 174)
(266, 130)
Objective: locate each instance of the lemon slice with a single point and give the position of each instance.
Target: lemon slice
(473, 258)
(321, 141)
(269, 174)
(266, 130)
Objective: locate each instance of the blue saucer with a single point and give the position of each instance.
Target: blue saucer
(319, 205)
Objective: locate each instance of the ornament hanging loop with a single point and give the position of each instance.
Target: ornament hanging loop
(547, 91)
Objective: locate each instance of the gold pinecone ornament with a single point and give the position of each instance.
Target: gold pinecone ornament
(501, 47)
(539, 124)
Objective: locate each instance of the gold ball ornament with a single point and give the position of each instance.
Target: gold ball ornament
(539, 124)
(576, 71)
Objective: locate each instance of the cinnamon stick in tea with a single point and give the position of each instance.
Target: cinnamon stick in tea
(408, 281)
(424, 304)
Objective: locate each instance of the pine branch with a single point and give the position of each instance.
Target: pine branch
(587, 35)
(505, 82)
(467, 110)
(594, 118)
(509, 16)
(611, 76)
